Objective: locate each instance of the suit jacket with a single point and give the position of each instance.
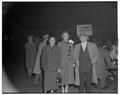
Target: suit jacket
(92, 50)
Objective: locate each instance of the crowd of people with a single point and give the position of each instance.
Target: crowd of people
(64, 63)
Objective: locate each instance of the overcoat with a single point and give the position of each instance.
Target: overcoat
(37, 68)
(67, 61)
(50, 64)
(93, 53)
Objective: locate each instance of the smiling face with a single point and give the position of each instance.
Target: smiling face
(65, 36)
(52, 41)
(83, 38)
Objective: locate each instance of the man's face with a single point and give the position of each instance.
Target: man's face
(83, 39)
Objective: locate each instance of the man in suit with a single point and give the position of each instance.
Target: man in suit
(86, 55)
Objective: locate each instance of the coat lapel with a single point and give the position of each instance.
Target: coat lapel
(79, 47)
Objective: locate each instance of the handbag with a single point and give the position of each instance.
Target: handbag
(59, 78)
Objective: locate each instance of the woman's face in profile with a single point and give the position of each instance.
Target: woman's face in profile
(65, 37)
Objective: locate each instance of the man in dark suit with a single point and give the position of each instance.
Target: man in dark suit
(86, 55)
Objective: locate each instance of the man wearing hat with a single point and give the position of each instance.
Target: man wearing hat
(37, 68)
(86, 54)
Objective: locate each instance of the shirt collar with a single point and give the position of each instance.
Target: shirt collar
(84, 43)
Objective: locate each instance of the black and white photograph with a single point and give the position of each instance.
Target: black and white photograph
(59, 47)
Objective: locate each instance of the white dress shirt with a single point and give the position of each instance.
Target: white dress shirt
(84, 46)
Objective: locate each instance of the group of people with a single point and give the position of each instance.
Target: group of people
(80, 64)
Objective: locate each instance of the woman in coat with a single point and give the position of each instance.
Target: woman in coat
(67, 61)
(50, 65)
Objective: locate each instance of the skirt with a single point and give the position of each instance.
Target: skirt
(50, 81)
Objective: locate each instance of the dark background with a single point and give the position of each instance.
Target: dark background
(20, 19)
(38, 18)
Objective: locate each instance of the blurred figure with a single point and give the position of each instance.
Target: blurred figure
(67, 61)
(108, 46)
(36, 42)
(30, 51)
(103, 62)
(114, 56)
(37, 67)
(50, 64)
(114, 51)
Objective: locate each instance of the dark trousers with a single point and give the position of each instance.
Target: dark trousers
(85, 81)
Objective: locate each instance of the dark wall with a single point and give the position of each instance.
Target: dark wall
(40, 18)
